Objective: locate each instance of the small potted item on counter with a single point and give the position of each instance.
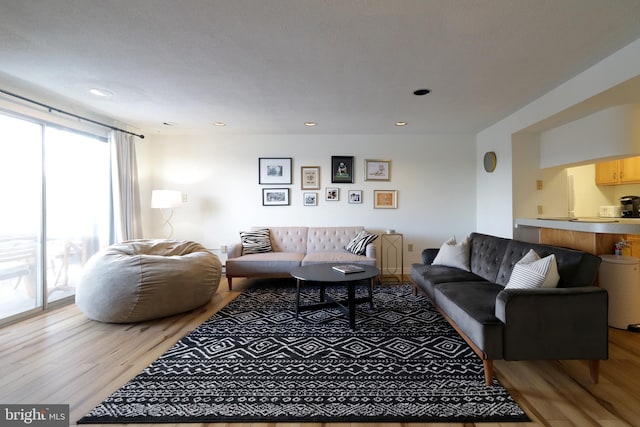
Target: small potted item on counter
(622, 248)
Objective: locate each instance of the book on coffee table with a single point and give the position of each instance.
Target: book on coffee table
(348, 268)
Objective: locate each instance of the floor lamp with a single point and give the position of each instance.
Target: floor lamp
(166, 199)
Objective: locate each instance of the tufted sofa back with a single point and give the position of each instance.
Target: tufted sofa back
(288, 239)
(487, 253)
(493, 258)
(330, 239)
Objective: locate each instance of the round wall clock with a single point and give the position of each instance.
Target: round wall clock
(490, 160)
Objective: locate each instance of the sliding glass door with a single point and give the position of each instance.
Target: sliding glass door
(20, 216)
(77, 206)
(42, 251)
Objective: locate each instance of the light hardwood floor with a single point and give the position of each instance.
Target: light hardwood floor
(61, 357)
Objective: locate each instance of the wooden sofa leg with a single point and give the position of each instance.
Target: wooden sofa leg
(229, 281)
(488, 371)
(594, 370)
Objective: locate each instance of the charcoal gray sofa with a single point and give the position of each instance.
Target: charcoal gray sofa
(567, 322)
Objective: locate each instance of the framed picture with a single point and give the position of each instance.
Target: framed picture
(275, 197)
(274, 170)
(332, 194)
(377, 170)
(385, 199)
(310, 199)
(342, 169)
(310, 177)
(355, 196)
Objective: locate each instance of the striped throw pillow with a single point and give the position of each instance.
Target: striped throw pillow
(358, 245)
(533, 272)
(255, 241)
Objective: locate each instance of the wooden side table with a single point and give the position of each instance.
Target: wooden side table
(392, 257)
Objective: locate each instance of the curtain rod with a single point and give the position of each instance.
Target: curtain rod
(57, 110)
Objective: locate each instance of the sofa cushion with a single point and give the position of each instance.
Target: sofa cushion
(358, 244)
(533, 272)
(269, 263)
(337, 257)
(471, 305)
(428, 276)
(255, 241)
(453, 254)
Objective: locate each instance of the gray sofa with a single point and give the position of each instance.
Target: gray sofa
(566, 322)
(296, 246)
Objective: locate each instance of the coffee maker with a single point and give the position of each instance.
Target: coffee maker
(630, 206)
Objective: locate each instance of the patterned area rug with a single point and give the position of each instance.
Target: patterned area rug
(254, 362)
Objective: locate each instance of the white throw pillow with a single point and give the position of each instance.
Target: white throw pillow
(533, 272)
(454, 254)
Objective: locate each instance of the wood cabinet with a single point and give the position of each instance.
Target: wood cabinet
(633, 240)
(630, 169)
(623, 171)
(593, 243)
(607, 173)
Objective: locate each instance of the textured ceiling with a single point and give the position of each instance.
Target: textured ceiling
(268, 66)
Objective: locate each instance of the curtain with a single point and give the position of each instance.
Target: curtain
(125, 191)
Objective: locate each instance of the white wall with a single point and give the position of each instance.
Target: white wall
(526, 198)
(495, 191)
(434, 175)
(589, 196)
(612, 132)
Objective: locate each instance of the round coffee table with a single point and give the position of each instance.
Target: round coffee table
(325, 274)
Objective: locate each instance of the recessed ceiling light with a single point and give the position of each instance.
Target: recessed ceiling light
(421, 92)
(219, 124)
(310, 124)
(401, 123)
(103, 93)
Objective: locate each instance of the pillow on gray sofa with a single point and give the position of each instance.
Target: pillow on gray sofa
(453, 254)
(533, 272)
(255, 241)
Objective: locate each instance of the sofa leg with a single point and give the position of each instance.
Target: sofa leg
(229, 281)
(488, 371)
(594, 370)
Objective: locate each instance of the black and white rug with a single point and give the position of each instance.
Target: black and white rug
(254, 362)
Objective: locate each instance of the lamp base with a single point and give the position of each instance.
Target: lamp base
(167, 222)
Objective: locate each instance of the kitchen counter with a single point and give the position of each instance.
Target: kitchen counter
(584, 224)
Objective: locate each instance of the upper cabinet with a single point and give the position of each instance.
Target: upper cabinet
(607, 173)
(630, 169)
(623, 171)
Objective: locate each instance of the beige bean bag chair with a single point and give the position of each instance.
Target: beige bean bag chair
(140, 280)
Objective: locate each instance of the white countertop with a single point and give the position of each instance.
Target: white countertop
(588, 224)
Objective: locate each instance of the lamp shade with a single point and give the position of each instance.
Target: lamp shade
(165, 199)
